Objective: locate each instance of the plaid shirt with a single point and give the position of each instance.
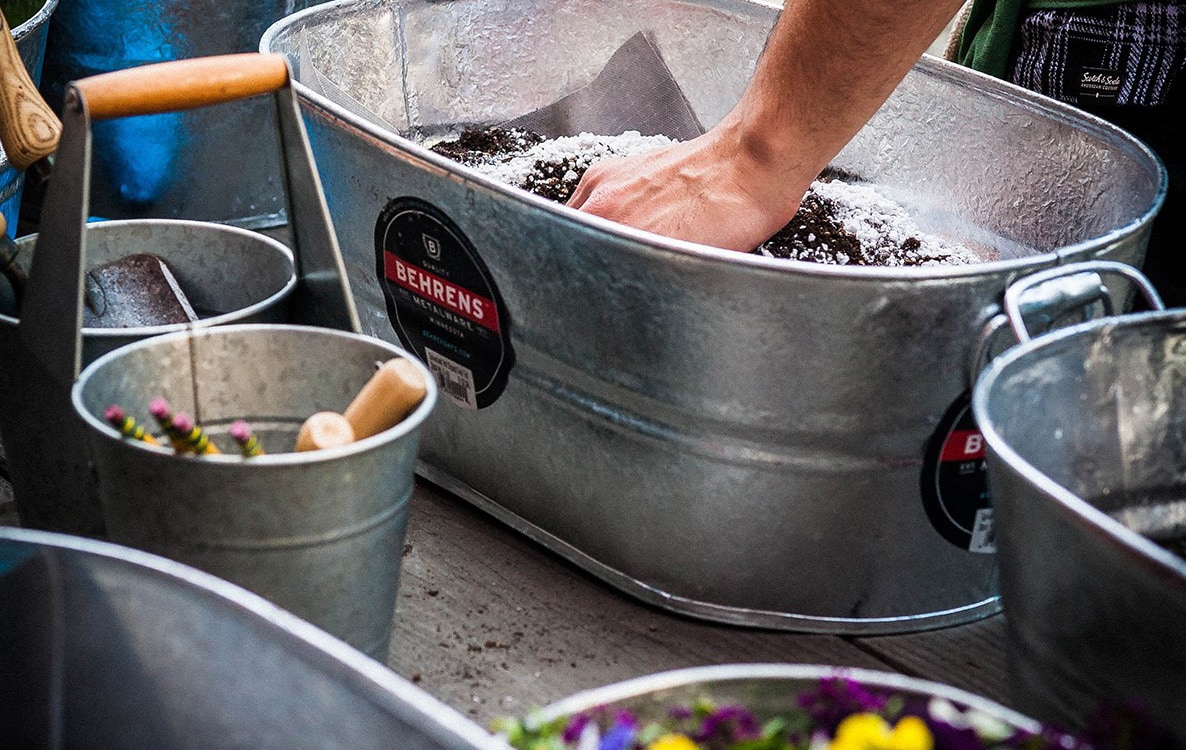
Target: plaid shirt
(1127, 54)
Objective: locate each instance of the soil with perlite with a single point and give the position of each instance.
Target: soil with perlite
(841, 221)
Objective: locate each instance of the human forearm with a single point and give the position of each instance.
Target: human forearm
(828, 65)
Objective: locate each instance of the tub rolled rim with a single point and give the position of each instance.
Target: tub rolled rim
(409, 425)
(649, 241)
(690, 677)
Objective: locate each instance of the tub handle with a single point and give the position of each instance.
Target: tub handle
(182, 84)
(1081, 286)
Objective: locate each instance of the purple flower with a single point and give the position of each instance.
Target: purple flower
(730, 723)
(837, 697)
(621, 735)
(576, 725)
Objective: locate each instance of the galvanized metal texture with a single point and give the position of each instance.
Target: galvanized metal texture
(1084, 429)
(728, 436)
(244, 276)
(319, 533)
(30, 38)
(110, 647)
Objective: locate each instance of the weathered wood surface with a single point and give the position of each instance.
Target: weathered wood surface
(492, 623)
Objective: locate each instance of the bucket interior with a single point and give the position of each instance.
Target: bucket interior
(969, 159)
(1102, 413)
(227, 274)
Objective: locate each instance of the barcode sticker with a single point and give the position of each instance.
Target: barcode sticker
(984, 534)
(454, 380)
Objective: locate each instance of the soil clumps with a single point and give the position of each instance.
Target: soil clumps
(841, 221)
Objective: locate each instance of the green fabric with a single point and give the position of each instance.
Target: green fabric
(987, 38)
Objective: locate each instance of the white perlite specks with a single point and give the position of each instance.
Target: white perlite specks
(582, 150)
(884, 230)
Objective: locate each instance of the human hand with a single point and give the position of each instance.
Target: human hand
(710, 190)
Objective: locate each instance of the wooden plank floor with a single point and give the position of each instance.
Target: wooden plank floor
(492, 623)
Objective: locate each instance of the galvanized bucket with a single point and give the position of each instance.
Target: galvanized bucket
(767, 690)
(738, 438)
(319, 533)
(236, 275)
(109, 647)
(1086, 436)
(173, 165)
(29, 35)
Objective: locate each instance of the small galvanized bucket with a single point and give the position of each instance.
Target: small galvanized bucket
(106, 646)
(1086, 438)
(319, 533)
(236, 276)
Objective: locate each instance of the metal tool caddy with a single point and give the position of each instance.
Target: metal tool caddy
(734, 437)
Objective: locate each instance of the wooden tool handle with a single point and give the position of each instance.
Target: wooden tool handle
(395, 389)
(29, 129)
(182, 84)
(325, 429)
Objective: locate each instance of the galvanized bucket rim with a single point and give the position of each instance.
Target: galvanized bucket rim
(1076, 510)
(649, 243)
(379, 680)
(214, 320)
(35, 20)
(723, 673)
(407, 425)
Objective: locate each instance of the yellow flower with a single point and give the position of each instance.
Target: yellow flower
(871, 732)
(673, 742)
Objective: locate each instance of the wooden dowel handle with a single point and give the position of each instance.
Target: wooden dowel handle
(325, 429)
(182, 84)
(29, 129)
(395, 389)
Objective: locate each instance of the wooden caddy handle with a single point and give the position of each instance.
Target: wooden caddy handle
(181, 84)
(29, 129)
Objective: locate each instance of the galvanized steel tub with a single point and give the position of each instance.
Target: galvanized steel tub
(29, 35)
(215, 164)
(728, 436)
(1080, 425)
(105, 646)
(320, 533)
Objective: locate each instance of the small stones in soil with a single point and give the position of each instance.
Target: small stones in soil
(841, 220)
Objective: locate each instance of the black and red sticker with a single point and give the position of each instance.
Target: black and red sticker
(954, 486)
(442, 301)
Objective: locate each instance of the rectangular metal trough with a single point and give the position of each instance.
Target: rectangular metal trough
(738, 438)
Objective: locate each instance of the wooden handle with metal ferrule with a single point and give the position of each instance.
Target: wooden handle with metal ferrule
(182, 84)
(29, 129)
